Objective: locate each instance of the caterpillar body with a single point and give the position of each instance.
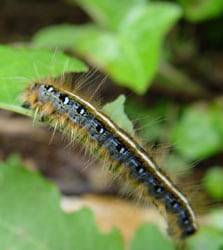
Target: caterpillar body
(65, 107)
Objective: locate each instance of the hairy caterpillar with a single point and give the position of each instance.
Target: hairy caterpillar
(63, 106)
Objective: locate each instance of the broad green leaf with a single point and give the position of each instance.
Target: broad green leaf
(129, 54)
(147, 237)
(20, 66)
(195, 135)
(201, 10)
(213, 182)
(107, 13)
(31, 217)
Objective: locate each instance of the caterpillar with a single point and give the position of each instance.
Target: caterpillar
(56, 100)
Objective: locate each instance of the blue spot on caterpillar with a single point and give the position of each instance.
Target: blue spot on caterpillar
(52, 100)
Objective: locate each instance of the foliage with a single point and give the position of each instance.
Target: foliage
(196, 133)
(126, 45)
(31, 217)
(150, 236)
(21, 66)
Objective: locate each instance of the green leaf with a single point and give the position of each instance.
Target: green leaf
(195, 135)
(31, 217)
(129, 53)
(213, 182)
(20, 66)
(109, 13)
(115, 110)
(149, 237)
(201, 10)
